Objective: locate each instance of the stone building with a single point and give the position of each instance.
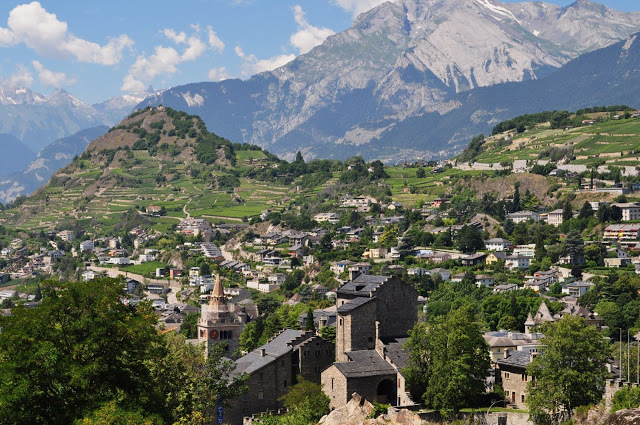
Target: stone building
(375, 314)
(274, 367)
(513, 376)
(221, 321)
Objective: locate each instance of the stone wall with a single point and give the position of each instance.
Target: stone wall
(265, 386)
(514, 383)
(397, 308)
(313, 356)
(356, 330)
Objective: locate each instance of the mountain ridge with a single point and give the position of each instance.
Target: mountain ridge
(398, 60)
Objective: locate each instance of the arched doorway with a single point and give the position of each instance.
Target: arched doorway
(386, 392)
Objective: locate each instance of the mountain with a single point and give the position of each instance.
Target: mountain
(119, 107)
(399, 61)
(15, 155)
(50, 159)
(608, 76)
(37, 120)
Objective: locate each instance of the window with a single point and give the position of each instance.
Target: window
(332, 383)
(522, 398)
(507, 375)
(285, 383)
(260, 395)
(524, 378)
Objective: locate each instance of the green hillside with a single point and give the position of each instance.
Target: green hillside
(166, 158)
(156, 157)
(607, 141)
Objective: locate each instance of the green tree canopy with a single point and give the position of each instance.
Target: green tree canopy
(84, 355)
(571, 370)
(448, 361)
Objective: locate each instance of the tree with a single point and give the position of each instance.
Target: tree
(306, 404)
(328, 333)
(82, 348)
(420, 173)
(310, 324)
(571, 370)
(516, 198)
(575, 247)
(93, 359)
(470, 239)
(586, 211)
(604, 212)
(448, 361)
(189, 327)
(567, 211)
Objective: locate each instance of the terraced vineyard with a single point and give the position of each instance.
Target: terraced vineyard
(603, 143)
(114, 176)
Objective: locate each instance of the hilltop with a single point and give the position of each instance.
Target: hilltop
(154, 156)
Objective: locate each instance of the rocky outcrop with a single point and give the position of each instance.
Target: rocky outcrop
(624, 417)
(358, 411)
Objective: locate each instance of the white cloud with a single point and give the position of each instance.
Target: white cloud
(304, 39)
(358, 6)
(164, 60)
(41, 31)
(195, 48)
(21, 77)
(214, 41)
(177, 38)
(307, 37)
(252, 65)
(218, 74)
(52, 79)
(145, 69)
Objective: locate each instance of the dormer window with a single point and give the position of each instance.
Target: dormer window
(359, 287)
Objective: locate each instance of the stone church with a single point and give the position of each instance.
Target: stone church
(221, 321)
(375, 314)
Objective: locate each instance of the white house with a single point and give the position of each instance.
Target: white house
(555, 218)
(525, 250)
(513, 262)
(87, 246)
(629, 211)
(524, 216)
(484, 280)
(497, 244)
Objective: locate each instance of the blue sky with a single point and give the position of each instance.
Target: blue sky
(100, 49)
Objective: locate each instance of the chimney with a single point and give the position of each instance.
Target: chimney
(506, 353)
(353, 273)
(262, 352)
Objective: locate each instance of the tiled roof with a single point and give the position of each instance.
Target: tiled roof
(364, 363)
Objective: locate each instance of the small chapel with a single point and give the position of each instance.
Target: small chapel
(221, 321)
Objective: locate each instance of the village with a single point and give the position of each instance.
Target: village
(357, 278)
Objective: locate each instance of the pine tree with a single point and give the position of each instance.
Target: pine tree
(310, 325)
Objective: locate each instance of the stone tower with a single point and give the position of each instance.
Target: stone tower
(220, 321)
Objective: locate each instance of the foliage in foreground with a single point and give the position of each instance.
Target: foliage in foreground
(306, 404)
(83, 356)
(448, 361)
(571, 371)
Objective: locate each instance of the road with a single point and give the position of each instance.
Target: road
(173, 284)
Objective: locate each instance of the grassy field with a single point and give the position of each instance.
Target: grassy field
(144, 268)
